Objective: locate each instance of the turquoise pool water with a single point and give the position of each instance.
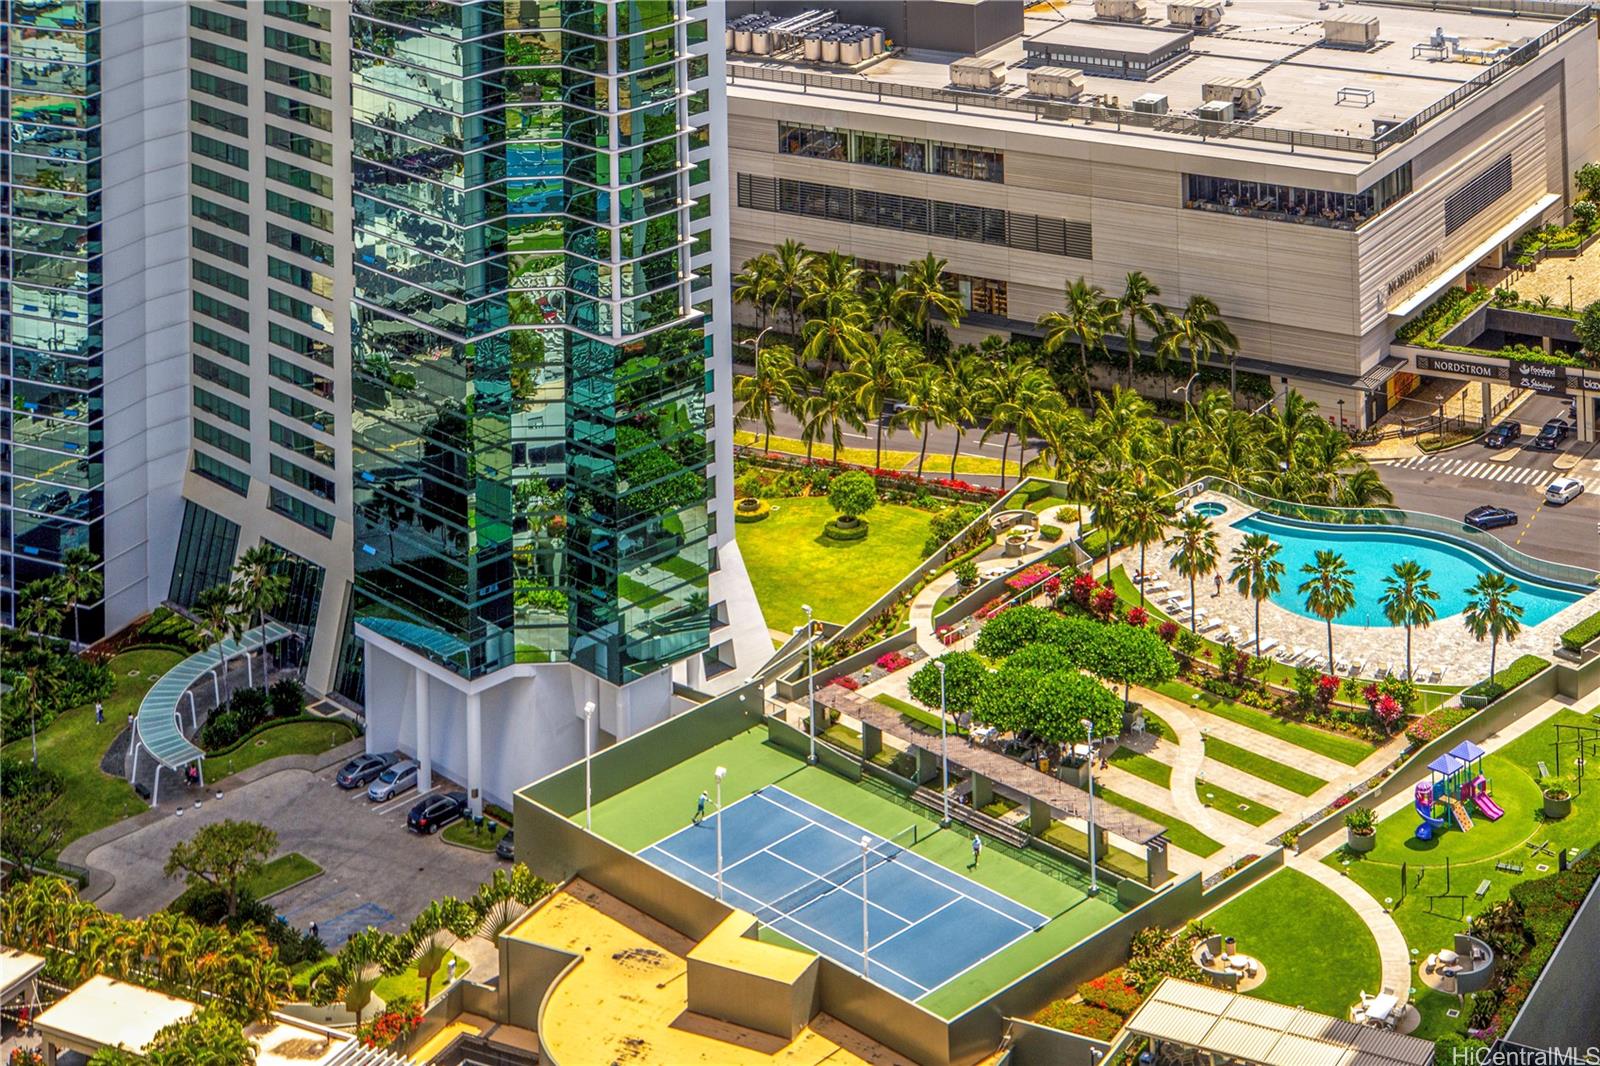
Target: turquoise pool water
(1210, 508)
(1372, 550)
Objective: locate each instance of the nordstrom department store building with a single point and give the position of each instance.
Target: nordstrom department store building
(1321, 174)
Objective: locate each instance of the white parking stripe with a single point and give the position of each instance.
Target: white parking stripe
(403, 800)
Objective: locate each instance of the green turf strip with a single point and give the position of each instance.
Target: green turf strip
(1296, 781)
(1179, 832)
(1233, 804)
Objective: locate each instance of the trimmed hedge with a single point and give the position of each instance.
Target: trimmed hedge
(752, 514)
(1525, 667)
(1050, 534)
(834, 531)
(1589, 629)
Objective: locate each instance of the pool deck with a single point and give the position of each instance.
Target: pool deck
(1445, 645)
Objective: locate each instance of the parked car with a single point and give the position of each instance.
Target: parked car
(1487, 517)
(1503, 434)
(401, 777)
(363, 769)
(436, 812)
(1551, 434)
(1563, 490)
(505, 849)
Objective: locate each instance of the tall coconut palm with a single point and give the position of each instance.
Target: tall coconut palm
(261, 589)
(756, 284)
(1287, 427)
(214, 614)
(925, 405)
(924, 289)
(80, 583)
(1194, 555)
(965, 374)
(1257, 571)
(1105, 499)
(1135, 307)
(1124, 428)
(835, 329)
(1063, 445)
(1083, 321)
(825, 414)
(1329, 589)
(1145, 514)
(1408, 599)
(38, 612)
(791, 277)
(1492, 613)
(1199, 331)
(875, 376)
(1363, 487)
(777, 383)
(1009, 392)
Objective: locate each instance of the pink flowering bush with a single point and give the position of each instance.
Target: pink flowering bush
(845, 681)
(892, 661)
(1026, 579)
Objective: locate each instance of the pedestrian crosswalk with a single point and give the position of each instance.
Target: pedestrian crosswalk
(1506, 473)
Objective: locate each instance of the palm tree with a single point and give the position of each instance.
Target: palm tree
(1010, 391)
(79, 583)
(1200, 332)
(432, 934)
(1363, 488)
(1063, 439)
(261, 589)
(1083, 321)
(756, 285)
(1286, 428)
(1195, 554)
(835, 329)
(791, 275)
(39, 613)
(1105, 499)
(873, 377)
(1124, 428)
(214, 614)
(1135, 306)
(826, 413)
(1256, 571)
(965, 374)
(925, 405)
(1145, 514)
(1407, 599)
(357, 969)
(778, 380)
(1329, 589)
(1492, 613)
(924, 289)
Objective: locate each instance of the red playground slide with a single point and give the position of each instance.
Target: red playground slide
(1480, 799)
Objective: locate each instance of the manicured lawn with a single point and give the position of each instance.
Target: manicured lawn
(1233, 804)
(1317, 951)
(1297, 781)
(1161, 728)
(792, 563)
(407, 983)
(280, 873)
(294, 738)
(73, 745)
(462, 832)
(1338, 746)
(920, 715)
(1179, 832)
(1140, 765)
(937, 465)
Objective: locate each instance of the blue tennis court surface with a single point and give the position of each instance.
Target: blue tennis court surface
(797, 868)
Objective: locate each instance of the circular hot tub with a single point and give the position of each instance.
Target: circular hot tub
(1210, 508)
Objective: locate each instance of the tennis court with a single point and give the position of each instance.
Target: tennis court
(799, 869)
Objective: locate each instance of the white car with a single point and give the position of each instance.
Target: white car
(1563, 490)
(401, 777)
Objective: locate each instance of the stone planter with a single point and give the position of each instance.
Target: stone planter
(1556, 808)
(1015, 546)
(1360, 842)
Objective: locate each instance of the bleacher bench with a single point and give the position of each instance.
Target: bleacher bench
(1505, 866)
(1483, 887)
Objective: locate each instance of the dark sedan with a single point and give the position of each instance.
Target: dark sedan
(1487, 517)
(505, 849)
(436, 812)
(1503, 434)
(364, 769)
(1551, 434)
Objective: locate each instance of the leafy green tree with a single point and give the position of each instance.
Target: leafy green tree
(1588, 329)
(1588, 179)
(1006, 701)
(1064, 698)
(1257, 571)
(1132, 655)
(1329, 589)
(1013, 629)
(964, 678)
(1195, 554)
(852, 494)
(79, 583)
(32, 823)
(1408, 599)
(209, 1037)
(225, 855)
(1492, 613)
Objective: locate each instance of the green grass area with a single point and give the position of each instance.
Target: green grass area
(1140, 765)
(294, 738)
(664, 804)
(280, 873)
(1077, 842)
(1337, 746)
(1231, 803)
(1167, 734)
(73, 745)
(1296, 781)
(792, 563)
(1428, 915)
(408, 983)
(1317, 951)
(936, 465)
(463, 833)
(999, 807)
(1179, 832)
(920, 715)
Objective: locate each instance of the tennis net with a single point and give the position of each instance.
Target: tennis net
(882, 851)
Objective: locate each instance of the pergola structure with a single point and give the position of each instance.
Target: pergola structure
(19, 980)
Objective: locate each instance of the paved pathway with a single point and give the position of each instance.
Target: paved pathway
(1392, 950)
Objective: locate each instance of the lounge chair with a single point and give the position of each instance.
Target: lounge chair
(1341, 666)
(1284, 654)
(1234, 634)
(1431, 964)
(1300, 652)
(1385, 670)
(1357, 666)
(1267, 645)
(1318, 661)
(1206, 627)
(1156, 586)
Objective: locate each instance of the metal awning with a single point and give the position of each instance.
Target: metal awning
(437, 643)
(1379, 375)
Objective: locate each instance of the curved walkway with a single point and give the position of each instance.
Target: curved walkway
(1397, 965)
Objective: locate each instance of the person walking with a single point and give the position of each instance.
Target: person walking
(977, 850)
(99, 713)
(700, 809)
(315, 934)
(1219, 585)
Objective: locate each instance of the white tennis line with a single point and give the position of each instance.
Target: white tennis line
(953, 901)
(985, 959)
(912, 868)
(845, 888)
(857, 951)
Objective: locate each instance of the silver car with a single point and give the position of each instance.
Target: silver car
(401, 777)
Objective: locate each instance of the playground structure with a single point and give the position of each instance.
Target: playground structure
(1584, 740)
(1456, 778)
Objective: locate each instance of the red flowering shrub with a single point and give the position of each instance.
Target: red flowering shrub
(398, 1021)
(1388, 712)
(1104, 604)
(1111, 992)
(1080, 1018)
(1327, 688)
(1138, 616)
(1052, 586)
(845, 681)
(892, 661)
(1168, 632)
(1084, 587)
(1437, 724)
(990, 609)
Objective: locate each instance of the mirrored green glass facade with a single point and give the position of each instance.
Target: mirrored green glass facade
(51, 341)
(530, 442)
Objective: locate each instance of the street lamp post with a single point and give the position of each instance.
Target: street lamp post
(1341, 412)
(866, 848)
(588, 759)
(1438, 398)
(1569, 292)
(755, 342)
(811, 684)
(1094, 880)
(1187, 385)
(721, 772)
(944, 750)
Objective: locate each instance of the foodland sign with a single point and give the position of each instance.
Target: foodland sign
(1540, 377)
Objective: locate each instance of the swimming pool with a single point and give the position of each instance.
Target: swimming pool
(1210, 508)
(1372, 550)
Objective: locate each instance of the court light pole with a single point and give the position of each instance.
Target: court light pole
(944, 750)
(721, 772)
(588, 759)
(1094, 881)
(866, 847)
(811, 684)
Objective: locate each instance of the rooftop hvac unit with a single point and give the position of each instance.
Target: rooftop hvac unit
(1350, 30)
(1196, 14)
(1245, 94)
(1119, 10)
(1057, 83)
(975, 73)
(1215, 111)
(1151, 104)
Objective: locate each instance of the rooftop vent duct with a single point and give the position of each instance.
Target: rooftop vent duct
(1196, 14)
(1119, 10)
(1245, 94)
(1350, 30)
(974, 72)
(1151, 104)
(1057, 83)
(1215, 111)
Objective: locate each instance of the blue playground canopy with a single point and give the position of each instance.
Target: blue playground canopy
(1446, 764)
(1467, 751)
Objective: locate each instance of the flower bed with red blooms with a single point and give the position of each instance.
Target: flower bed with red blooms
(1111, 992)
(1138, 617)
(1033, 575)
(990, 609)
(391, 1027)
(1435, 725)
(845, 681)
(1094, 1022)
(889, 662)
(886, 478)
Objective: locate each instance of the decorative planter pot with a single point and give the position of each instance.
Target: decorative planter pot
(1557, 808)
(1360, 842)
(1015, 547)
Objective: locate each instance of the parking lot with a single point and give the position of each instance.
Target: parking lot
(375, 871)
